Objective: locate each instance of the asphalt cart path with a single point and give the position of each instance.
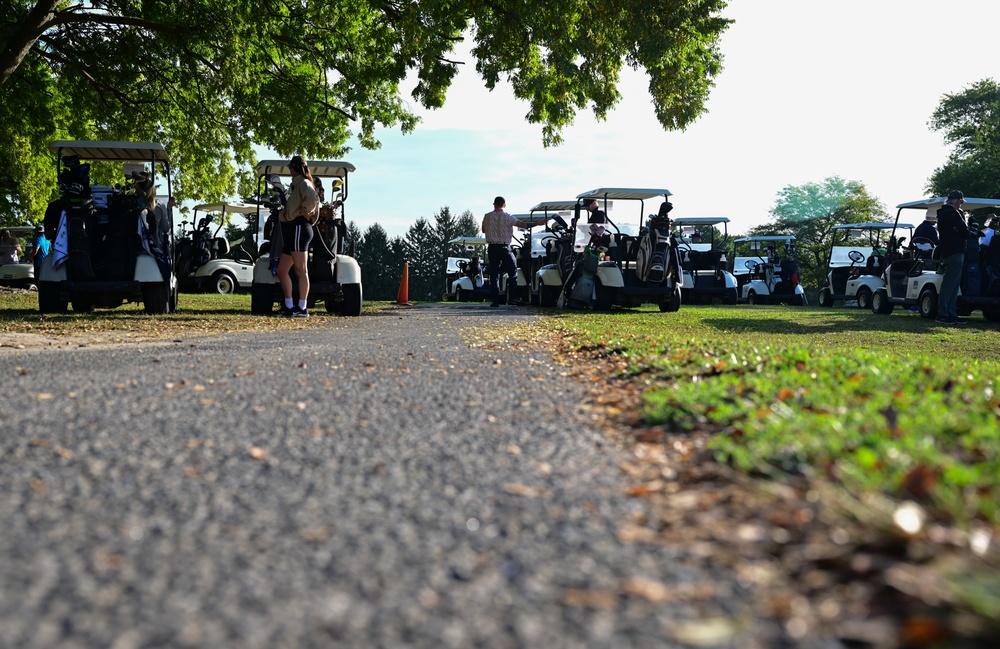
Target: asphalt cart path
(381, 481)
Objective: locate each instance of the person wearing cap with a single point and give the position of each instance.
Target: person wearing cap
(595, 213)
(953, 232)
(41, 249)
(927, 234)
(498, 226)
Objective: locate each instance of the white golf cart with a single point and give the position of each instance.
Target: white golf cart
(206, 261)
(704, 263)
(859, 254)
(764, 276)
(614, 266)
(21, 274)
(914, 280)
(97, 260)
(466, 276)
(550, 249)
(334, 277)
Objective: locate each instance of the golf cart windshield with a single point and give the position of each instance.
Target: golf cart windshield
(605, 194)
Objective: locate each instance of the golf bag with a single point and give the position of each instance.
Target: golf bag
(582, 280)
(74, 182)
(655, 248)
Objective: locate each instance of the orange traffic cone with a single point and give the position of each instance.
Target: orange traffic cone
(403, 296)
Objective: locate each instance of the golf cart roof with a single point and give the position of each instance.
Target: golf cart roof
(19, 230)
(327, 169)
(773, 237)
(113, 151)
(469, 241)
(870, 226)
(970, 203)
(620, 193)
(239, 208)
(555, 206)
(699, 220)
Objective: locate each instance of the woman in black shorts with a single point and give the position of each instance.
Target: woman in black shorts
(296, 233)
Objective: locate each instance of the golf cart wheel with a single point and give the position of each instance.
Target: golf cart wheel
(261, 299)
(174, 299)
(928, 303)
(881, 302)
(49, 300)
(155, 298)
(351, 306)
(534, 298)
(445, 297)
(461, 294)
(825, 297)
(752, 297)
(223, 283)
(864, 298)
(732, 296)
(605, 297)
(82, 304)
(549, 295)
(673, 302)
(991, 316)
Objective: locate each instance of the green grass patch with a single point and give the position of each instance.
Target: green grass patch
(895, 404)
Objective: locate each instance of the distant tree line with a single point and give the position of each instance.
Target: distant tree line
(425, 247)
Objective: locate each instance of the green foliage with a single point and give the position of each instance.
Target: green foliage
(970, 120)
(381, 263)
(211, 79)
(858, 398)
(810, 211)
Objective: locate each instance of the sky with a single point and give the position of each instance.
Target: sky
(810, 89)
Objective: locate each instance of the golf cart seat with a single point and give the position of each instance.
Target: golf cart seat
(707, 259)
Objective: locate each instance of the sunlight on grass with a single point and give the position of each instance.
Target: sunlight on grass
(866, 400)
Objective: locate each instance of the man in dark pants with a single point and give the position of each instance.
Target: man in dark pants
(498, 226)
(953, 232)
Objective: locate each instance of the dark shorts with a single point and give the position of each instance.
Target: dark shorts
(296, 236)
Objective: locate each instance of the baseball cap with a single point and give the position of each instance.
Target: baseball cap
(955, 194)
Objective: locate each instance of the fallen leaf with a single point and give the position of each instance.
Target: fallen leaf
(648, 589)
(599, 599)
(524, 490)
(258, 453)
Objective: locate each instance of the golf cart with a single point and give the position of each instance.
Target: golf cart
(704, 263)
(466, 276)
(915, 281)
(206, 261)
(334, 277)
(612, 265)
(859, 254)
(21, 274)
(765, 277)
(108, 246)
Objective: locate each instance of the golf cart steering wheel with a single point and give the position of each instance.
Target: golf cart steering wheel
(856, 256)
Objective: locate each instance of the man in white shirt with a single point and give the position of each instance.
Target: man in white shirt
(498, 227)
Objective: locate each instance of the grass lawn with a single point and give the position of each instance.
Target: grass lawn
(892, 404)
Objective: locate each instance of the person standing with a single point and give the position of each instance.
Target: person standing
(953, 232)
(40, 251)
(594, 213)
(498, 226)
(297, 221)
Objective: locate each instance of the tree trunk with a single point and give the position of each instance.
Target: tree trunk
(26, 34)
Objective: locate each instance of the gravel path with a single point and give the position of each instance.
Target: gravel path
(375, 482)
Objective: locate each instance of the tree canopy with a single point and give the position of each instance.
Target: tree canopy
(212, 79)
(809, 212)
(969, 120)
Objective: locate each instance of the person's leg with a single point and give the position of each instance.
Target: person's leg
(285, 264)
(952, 266)
(302, 272)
